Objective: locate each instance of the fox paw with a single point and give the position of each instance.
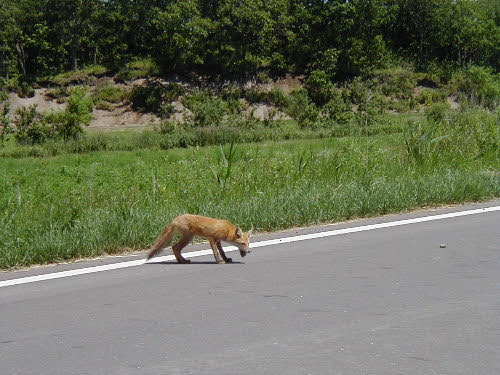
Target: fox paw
(229, 260)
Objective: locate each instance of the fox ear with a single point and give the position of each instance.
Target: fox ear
(250, 232)
(238, 232)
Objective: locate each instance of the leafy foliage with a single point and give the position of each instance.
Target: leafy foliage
(243, 39)
(33, 127)
(155, 97)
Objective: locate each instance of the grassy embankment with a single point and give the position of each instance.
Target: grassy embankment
(54, 208)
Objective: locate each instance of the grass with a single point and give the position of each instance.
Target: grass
(79, 205)
(129, 140)
(85, 75)
(140, 68)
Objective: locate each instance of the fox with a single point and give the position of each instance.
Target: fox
(214, 230)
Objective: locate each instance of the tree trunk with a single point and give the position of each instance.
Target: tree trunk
(74, 53)
(21, 58)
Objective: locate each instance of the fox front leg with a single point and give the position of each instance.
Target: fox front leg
(222, 253)
(213, 245)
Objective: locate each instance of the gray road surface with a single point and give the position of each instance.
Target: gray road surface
(387, 301)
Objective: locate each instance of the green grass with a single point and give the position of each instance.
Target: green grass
(78, 76)
(141, 68)
(238, 132)
(80, 205)
(109, 93)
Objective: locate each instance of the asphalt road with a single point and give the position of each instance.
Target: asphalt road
(384, 301)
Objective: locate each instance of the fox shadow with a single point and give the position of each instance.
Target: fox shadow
(175, 263)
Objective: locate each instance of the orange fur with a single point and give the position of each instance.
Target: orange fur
(214, 230)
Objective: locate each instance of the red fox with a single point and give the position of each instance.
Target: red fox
(214, 230)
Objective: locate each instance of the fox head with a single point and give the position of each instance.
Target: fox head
(242, 241)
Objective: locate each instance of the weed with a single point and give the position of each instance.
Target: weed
(421, 140)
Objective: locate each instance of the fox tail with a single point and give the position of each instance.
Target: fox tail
(164, 238)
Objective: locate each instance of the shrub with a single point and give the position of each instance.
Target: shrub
(205, 109)
(477, 86)
(337, 110)
(80, 105)
(104, 106)
(275, 97)
(30, 126)
(302, 109)
(65, 124)
(4, 95)
(319, 87)
(396, 83)
(430, 96)
(168, 127)
(278, 98)
(68, 123)
(155, 96)
(33, 127)
(254, 96)
(5, 122)
(437, 112)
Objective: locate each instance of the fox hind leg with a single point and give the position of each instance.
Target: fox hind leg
(177, 248)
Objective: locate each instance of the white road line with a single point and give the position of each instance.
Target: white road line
(133, 263)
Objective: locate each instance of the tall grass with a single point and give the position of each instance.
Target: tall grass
(79, 205)
(173, 135)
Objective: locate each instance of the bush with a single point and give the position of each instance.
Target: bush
(104, 106)
(33, 127)
(168, 127)
(30, 126)
(319, 87)
(369, 102)
(437, 112)
(155, 96)
(430, 96)
(206, 110)
(302, 109)
(396, 83)
(337, 110)
(80, 105)
(477, 86)
(67, 124)
(5, 122)
(278, 98)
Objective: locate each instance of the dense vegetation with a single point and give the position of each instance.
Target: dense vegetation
(239, 39)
